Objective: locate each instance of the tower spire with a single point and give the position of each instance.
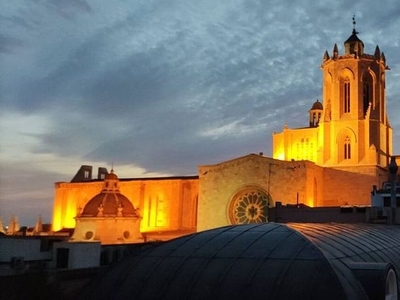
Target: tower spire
(354, 25)
(353, 45)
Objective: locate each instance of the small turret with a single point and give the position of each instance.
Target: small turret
(315, 113)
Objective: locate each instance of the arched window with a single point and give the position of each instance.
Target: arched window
(367, 91)
(346, 142)
(346, 95)
(347, 148)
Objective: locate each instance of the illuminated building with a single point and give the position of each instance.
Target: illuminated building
(165, 206)
(109, 217)
(334, 161)
(350, 127)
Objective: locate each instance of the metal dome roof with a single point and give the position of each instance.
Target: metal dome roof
(260, 261)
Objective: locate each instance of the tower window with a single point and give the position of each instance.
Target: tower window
(367, 91)
(346, 96)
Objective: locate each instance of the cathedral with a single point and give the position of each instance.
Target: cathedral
(350, 127)
(334, 161)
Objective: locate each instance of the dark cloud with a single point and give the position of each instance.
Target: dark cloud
(26, 192)
(9, 44)
(67, 9)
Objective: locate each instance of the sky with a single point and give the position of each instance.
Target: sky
(157, 88)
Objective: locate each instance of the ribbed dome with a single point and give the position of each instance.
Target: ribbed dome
(259, 261)
(110, 202)
(317, 106)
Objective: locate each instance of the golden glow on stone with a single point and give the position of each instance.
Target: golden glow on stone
(64, 214)
(296, 145)
(309, 202)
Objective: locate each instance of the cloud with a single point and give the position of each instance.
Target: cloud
(9, 44)
(66, 9)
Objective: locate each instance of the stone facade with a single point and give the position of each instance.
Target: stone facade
(286, 182)
(69, 199)
(166, 205)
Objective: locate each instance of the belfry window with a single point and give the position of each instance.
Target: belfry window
(346, 96)
(347, 148)
(367, 91)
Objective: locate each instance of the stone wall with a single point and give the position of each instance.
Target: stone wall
(289, 182)
(351, 185)
(165, 204)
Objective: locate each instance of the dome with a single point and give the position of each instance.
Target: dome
(110, 202)
(317, 106)
(261, 261)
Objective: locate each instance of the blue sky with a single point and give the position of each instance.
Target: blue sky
(160, 87)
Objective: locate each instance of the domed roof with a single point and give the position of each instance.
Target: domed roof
(258, 261)
(110, 201)
(108, 204)
(317, 106)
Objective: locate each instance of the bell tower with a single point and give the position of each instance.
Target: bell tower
(354, 129)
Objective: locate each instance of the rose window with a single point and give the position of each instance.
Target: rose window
(250, 207)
